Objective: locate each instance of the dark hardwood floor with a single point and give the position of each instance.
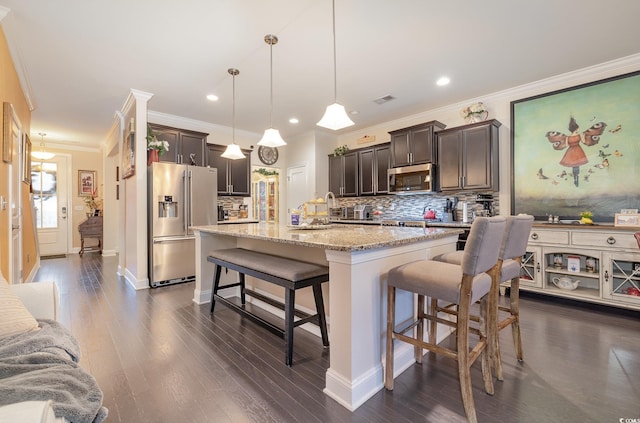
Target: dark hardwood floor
(158, 357)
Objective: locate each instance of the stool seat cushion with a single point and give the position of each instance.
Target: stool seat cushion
(454, 257)
(437, 280)
(282, 267)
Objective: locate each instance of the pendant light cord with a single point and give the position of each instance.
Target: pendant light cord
(335, 67)
(233, 112)
(271, 80)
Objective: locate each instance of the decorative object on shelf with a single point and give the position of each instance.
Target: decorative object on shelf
(340, 151)
(632, 291)
(366, 139)
(477, 112)
(565, 282)
(573, 264)
(265, 172)
(627, 219)
(268, 155)
(335, 116)
(155, 147)
(93, 203)
(590, 264)
(558, 261)
(233, 151)
(271, 137)
(586, 218)
(42, 154)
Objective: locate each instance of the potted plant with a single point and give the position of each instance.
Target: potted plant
(155, 147)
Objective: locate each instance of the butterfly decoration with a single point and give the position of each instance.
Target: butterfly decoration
(616, 129)
(603, 154)
(591, 136)
(617, 153)
(541, 175)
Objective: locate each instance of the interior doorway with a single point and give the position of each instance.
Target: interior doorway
(50, 183)
(297, 189)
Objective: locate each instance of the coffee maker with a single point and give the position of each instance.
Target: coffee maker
(221, 213)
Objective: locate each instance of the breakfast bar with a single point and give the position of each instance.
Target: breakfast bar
(359, 257)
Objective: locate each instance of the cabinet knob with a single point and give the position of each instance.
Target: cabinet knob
(538, 267)
(534, 236)
(611, 240)
(606, 275)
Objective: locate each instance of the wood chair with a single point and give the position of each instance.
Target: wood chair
(462, 285)
(514, 246)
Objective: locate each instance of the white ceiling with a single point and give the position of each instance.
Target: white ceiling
(80, 58)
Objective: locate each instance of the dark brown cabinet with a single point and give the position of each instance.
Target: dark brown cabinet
(468, 157)
(415, 144)
(343, 174)
(233, 175)
(373, 164)
(187, 147)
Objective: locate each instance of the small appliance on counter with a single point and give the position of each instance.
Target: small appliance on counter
(337, 212)
(363, 212)
(220, 212)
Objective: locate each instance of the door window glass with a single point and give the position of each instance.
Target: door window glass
(44, 182)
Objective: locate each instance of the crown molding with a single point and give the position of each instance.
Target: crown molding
(197, 125)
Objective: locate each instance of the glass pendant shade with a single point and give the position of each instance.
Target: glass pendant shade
(233, 152)
(42, 155)
(335, 117)
(271, 138)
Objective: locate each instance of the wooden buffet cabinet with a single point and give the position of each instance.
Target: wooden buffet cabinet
(606, 258)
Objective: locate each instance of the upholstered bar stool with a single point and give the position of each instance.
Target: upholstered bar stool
(462, 285)
(514, 246)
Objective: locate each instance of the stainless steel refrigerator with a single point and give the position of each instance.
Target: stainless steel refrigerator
(179, 196)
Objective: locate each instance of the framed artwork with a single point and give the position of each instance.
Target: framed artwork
(577, 149)
(129, 155)
(26, 159)
(7, 131)
(627, 219)
(86, 182)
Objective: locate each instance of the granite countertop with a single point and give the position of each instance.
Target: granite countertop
(337, 237)
(236, 221)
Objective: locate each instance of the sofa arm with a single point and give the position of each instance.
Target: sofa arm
(29, 412)
(40, 298)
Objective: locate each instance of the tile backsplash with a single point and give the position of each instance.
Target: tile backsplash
(412, 206)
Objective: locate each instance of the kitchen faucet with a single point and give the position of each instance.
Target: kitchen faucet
(333, 199)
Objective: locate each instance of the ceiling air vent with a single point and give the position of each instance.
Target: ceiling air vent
(384, 99)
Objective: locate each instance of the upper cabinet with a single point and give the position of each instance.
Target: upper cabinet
(468, 157)
(187, 147)
(233, 175)
(343, 174)
(373, 164)
(414, 145)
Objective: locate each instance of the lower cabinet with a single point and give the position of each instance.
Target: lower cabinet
(593, 263)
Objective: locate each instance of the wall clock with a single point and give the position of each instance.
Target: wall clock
(268, 155)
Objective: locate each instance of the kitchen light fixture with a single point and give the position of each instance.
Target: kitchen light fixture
(271, 137)
(335, 117)
(233, 151)
(42, 155)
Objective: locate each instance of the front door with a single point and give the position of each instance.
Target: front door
(50, 180)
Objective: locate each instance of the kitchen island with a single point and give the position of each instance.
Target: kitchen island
(359, 258)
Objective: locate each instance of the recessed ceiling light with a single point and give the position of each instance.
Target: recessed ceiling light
(384, 99)
(212, 97)
(443, 81)
(294, 120)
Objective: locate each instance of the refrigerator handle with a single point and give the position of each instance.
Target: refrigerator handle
(187, 200)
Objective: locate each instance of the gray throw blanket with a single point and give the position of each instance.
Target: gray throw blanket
(42, 365)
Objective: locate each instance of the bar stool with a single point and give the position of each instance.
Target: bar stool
(462, 285)
(514, 246)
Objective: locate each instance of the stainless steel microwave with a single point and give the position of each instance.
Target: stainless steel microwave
(411, 179)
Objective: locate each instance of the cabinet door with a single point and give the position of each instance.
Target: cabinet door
(239, 175)
(531, 268)
(421, 145)
(382, 163)
(336, 175)
(172, 136)
(215, 159)
(449, 156)
(476, 158)
(400, 148)
(192, 149)
(350, 167)
(366, 160)
(621, 272)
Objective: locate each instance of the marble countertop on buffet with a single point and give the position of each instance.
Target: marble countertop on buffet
(337, 237)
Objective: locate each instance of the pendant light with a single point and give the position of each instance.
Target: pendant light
(271, 137)
(335, 117)
(233, 151)
(42, 155)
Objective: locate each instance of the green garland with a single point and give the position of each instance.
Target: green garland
(265, 172)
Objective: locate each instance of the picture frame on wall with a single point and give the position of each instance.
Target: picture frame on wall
(129, 156)
(8, 120)
(86, 182)
(576, 150)
(26, 159)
